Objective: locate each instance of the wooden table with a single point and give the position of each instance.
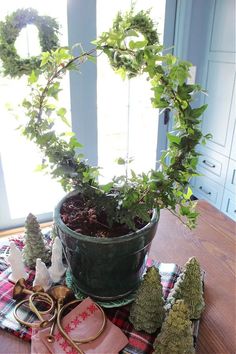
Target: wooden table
(213, 242)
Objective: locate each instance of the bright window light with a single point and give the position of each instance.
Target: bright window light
(26, 190)
(127, 123)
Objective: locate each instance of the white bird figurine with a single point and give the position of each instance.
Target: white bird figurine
(42, 276)
(57, 269)
(15, 260)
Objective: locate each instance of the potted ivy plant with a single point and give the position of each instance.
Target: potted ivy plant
(107, 229)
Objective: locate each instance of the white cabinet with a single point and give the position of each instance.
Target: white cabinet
(220, 115)
(217, 182)
(217, 163)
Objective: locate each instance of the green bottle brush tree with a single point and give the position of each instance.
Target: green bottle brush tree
(189, 287)
(34, 246)
(176, 333)
(147, 312)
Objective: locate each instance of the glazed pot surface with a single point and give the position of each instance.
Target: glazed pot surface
(106, 268)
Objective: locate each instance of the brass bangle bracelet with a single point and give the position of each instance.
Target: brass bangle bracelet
(28, 324)
(76, 342)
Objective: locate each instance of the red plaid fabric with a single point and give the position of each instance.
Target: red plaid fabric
(139, 342)
(7, 304)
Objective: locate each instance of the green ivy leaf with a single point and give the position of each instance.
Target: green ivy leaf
(188, 194)
(33, 77)
(61, 55)
(54, 89)
(50, 106)
(67, 134)
(65, 120)
(61, 113)
(169, 59)
(107, 187)
(183, 92)
(137, 44)
(132, 33)
(120, 161)
(173, 138)
(74, 143)
(92, 58)
(40, 168)
(197, 112)
(27, 104)
(122, 72)
(45, 58)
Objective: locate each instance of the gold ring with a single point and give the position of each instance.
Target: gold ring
(73, 342)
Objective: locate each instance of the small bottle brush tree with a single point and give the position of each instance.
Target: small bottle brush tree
(34, 244)
(176, 332)
(189, 288)
(147, 312)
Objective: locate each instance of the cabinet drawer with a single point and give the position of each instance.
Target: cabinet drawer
(229, 204)
(213, 165)
(205, 188)
(231, 176)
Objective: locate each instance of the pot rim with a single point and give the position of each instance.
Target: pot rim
(78, 236)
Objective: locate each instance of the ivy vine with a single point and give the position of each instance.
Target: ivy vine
(13, 65)
(133, 48)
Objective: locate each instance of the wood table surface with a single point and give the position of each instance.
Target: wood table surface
(213, 242)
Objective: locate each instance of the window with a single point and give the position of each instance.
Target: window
(127, 123)
(110, 117)
(22, 190)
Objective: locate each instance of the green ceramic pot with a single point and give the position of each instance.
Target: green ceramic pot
(106, 269)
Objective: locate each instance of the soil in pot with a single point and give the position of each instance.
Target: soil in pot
(81, 216)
